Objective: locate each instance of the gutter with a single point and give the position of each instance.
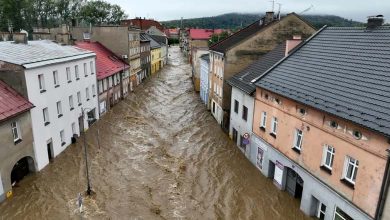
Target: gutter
(384, 189)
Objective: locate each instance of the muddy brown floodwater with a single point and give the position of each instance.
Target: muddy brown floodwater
(161, 156)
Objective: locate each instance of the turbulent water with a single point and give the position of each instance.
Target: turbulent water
(161, 156)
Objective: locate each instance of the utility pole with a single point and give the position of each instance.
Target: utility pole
(273, 5)
(89, 191)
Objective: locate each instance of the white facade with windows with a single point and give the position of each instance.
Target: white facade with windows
(239, 99)
(55, 110)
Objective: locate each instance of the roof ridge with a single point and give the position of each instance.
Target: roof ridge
(290, 54)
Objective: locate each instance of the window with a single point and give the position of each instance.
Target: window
(328, 156)
(244, 113)
(68, 75)
(333, 124)
(62, 136)
(59, 109)
(79, 98)
(298, 139)
(93, 90)
(87, 94)
(321, 210)
(85, 70)
(46, 116)
(302, 111)
(71, 105)
(16, 131)
(236, 104)
(263, 120)
(76, 72)
(214, 107)
(100, 86)
(92, 67)
(73, 128)
(55, 78)
(350, 169)
(274, 125)
(358, 135)
(341, 215)
(41, 80)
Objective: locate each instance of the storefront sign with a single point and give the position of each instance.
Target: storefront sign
(278, 176)
(260, 155)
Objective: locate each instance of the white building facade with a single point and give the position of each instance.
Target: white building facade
(204, 79)
(60, 83)
(241, 118)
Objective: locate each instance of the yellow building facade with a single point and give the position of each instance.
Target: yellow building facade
(156, 61)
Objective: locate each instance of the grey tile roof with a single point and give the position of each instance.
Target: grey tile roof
(342, 71)
(37, 53)
(162, 40)
(144, 38)
(242, 80)
(153, 44)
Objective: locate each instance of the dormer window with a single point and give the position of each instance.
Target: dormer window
(266, 96)
(278, 101)
(357, 134)
(302, 111)
(333, 124)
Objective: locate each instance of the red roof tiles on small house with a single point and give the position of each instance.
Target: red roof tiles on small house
(143, 24)
(11, 102)
(107, 63)
(201, 34)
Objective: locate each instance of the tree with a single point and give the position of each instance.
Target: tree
(218, 37)
(101, 12)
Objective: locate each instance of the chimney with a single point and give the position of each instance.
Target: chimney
(269, 17)
(291, 44)
(375, 21)
(20, 38)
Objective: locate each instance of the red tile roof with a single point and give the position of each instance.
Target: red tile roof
(201, 34)
(107, 63)
(11, 102)
(143, 24)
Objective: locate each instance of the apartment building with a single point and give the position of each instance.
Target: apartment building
(60, 81)
(321, 122)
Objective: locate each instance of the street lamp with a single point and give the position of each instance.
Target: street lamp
(89, 190)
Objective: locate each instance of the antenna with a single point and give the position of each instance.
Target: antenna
(280, 7)
(307, 9)
(273, 5)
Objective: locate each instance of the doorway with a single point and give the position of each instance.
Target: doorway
(21, 169)
(81, 124)
(50, 152)
(294, 184)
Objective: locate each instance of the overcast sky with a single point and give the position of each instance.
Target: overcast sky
(163, 10)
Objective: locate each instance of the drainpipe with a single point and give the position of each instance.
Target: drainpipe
(384, 189)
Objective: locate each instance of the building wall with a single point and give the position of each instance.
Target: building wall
(236, 120)
(204, 81)
(316, 133)
(13, 75)
(109, 92)
(198, 43)
(156, 60)
(196, 54)
(145, 58)
(11, 152)
(386, 209)
(246, 52)
(49, 99)
(314, 190)
(134, 52)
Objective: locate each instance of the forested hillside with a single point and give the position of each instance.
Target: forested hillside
(238, 20)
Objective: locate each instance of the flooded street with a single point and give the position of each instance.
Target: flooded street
(161, 156)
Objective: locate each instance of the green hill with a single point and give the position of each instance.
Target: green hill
(239, 20)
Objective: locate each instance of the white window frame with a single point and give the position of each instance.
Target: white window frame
(298, 133)
(328, 150)
(55, 78)
(46, 118)
(71, 102)
(62, 137)
(79, 97)
(76, 72)
(350, 161)
(59, 108)
(87, 93)
(274, 126)
(339, 215)
(263, 122)
(41, 80)
(92, 67)
(68, 75)
(85, 70)
(15, 128)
